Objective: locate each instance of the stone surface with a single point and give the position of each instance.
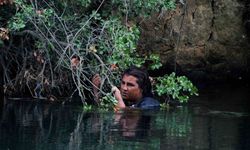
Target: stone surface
(205, 37)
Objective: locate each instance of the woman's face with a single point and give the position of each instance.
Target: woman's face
(130, 89)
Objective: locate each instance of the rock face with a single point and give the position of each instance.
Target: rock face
(201, 39)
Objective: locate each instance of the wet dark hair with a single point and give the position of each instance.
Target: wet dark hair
(142, 79)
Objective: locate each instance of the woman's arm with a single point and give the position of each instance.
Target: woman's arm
(118, 96)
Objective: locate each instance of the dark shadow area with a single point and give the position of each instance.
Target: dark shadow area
(246, 18)
(1, 90)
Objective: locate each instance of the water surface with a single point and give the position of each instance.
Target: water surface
(216, 120)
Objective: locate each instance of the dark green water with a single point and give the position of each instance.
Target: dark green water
(216, 120)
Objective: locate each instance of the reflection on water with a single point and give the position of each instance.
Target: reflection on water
(37, 126)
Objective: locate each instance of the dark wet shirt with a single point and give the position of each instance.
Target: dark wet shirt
(148, 103)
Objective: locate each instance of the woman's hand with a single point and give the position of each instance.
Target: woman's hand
(118, 97)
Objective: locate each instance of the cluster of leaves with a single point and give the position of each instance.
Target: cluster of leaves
(138, 7)
(177, 87)
(108, 102)
(27, 14)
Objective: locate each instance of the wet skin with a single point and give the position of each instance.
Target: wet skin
(130, 89)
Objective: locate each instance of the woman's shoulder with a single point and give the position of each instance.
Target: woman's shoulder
(148, 103)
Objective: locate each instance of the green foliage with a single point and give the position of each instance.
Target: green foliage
(102, 34)
(143, 8)
(87, 107)
(84, 3)
(155, 62)
(124, 44)
(108, 102)
(177, 87)
(17, 22)
(26, 14)
(164, 106)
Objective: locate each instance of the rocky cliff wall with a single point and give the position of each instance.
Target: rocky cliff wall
(203, 39)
